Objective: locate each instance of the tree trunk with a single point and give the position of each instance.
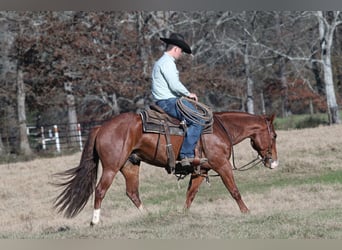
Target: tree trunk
(2, 148)
(262, 100)
(312, 111)
(284, 90)
(144, 55)
(281, 76)
(334, 117)
(115, 105)
(326, 32)
(316, 70)
(8, 73)
(24, 147)
(72, 115)
(250, 84)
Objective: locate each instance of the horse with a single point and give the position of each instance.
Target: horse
(122, 136)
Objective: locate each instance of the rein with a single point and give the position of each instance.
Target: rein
(245, 167)
(258, 159)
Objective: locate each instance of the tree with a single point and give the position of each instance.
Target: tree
(14, 77)
(24, 147)
(328, 21)
(81, 66)
(24, 143)
(72, 114)
(2, 148)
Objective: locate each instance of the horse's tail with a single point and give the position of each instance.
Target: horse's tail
(79, 182)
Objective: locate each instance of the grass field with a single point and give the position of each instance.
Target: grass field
(302, 199)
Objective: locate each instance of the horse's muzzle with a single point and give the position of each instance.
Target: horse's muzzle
(270, 163)
(273, 164)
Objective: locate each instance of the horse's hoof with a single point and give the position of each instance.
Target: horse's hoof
(246, 211)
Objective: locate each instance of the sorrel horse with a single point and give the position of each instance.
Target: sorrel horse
(113, 142)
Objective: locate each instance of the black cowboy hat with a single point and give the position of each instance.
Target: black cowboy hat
(178, 40)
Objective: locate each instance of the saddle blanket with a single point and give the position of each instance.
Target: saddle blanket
(155, 120)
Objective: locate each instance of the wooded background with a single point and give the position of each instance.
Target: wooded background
(72, 66)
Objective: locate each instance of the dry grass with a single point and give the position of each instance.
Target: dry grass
(301, 199)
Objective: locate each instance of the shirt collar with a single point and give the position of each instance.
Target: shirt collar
(167, 54)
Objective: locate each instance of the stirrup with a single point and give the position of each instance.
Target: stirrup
(191, 161)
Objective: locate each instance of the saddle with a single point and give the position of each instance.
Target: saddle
(155, 120)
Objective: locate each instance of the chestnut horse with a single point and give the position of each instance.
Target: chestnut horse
(117, 139)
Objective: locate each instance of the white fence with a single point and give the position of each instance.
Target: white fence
(57, 137)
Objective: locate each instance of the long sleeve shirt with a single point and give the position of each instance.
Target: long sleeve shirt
(165, 79)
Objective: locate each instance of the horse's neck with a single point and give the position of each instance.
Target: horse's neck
(239, 126)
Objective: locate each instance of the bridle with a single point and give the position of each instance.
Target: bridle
(268, 155)
(259, 158)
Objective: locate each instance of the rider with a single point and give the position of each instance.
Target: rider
(167, 89)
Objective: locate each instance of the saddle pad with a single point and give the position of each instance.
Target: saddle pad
(154, 122)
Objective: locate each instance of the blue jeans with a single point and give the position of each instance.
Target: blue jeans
(194, 130)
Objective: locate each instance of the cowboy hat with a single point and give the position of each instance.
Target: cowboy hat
(178, 40)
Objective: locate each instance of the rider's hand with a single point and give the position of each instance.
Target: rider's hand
(193, 96)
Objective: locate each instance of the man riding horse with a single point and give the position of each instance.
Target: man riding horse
(116, 140)
(167, 89)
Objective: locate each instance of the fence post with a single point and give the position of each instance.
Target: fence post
(43, 137)
(79, 136)
(58, 146)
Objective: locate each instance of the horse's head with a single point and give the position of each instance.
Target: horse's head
(264, 142)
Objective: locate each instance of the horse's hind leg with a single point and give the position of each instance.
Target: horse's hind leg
(105, 181)
(131, 173)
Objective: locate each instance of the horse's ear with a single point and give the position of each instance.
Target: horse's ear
(272, 117)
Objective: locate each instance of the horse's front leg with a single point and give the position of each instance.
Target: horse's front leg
(226, 173)
(131, 173)
(194, 183)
